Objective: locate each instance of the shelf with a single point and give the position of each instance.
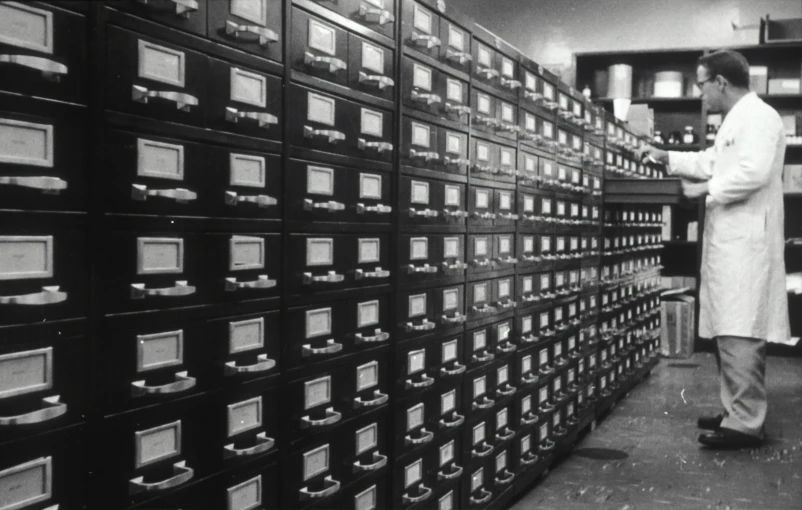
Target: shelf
(681, 147)
(780, 97)
(679, 243)
(655, 100)
(643, 191)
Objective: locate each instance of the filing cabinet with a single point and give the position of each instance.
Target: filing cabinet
(425, 259)
(420, 29)
(440, 310)
(431, 147)
(495, 63)
(432, 203)
(494, 115)
(252, 27)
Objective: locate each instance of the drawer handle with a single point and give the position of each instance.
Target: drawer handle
(332, 417)
(329, 134)
(483, 309)
(456, 319)
(533, 96)
(378, 273)
(330, 206)
(138, 290)
(332, 347)
(456, 214)
(560, 432)
(504, 437)
(424, 213)
(484, 216)
(380, 147)
(48, 185)
(423, 326)
(529, 339)
(48, 296)
(425, 382)
(263, 364)
(454, 474)
(331, 64)
(424, 438)
(509, 347)
(374, 15)
(546, 408)
(510, 84)
(417, 499)
(487, 120)
(182, 101)
(183, 8)
(140, 193)
(546, 371)
(183, 474)
(529, 379)
(487, 72)
(460, 109)
(506, 393)
(485, 403)
(376, 209)
(232, 198)
(530, 459)
(489, 356)
(379, 462)
(183, 382)
(429, 41)
(51, 70)
(427, 98)
(511, 172)
(381, 82)
(456, 161)
(51, 409)
(456, 422)
(379, 399)
(426, 156)
(456, 266)
(333, 487)
(508, 259)
(505, 481)
(263, 120)
(378, 337)
(532, 418)
(264, 36)
(488, 449)
(506, 304)
(484, 499)
(530, 298)
(485, 169)
(457, 370)
(547, 445)
(424, 269)
(481, 263)
(330, 277)
(264, 444)
(458, 56)
(262, 282)
(509, 128)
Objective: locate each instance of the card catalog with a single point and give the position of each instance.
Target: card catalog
(372, 58)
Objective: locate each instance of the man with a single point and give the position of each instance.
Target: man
(742, 297)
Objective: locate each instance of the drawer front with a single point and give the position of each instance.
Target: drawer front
(485, 162)
(42, 159)
(446, 460)
(485, 111)
(480, 253)
(251, 26)
(426, 311)
(535, 288)
(450, 360)
(480, 299)
(507, 165)
(323, 122)
(478, 392)
(430, 202)
(319, 48)
(449, 407)
(421, 87)
(507, 116)
(244, 101)
(42, 271)
(485, 66)
(46, 387)
(155, 79)
(504, 427)
(245, 347)
(528, 174)
(416, 424)
(481, 206)
(477, 488)
(455, 49)
(413, 482)
(525, 408)
(371, 67)
(504, 338)
(45, 51)
(420, 28)
(505, 208)
(548, 174)
(366, 495)
(323, 192)
(376, 15)
(480, 348)
(427, 257)
(335, 330)
(504, 251)
(434, 148)
(338, 261)
(189, 16)
(535, 211)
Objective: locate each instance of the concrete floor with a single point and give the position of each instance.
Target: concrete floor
(644, 454)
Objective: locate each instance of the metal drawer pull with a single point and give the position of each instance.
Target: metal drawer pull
(332, 416)
(488, 449)
(486, 169)
(457, 319)
(183, 474)
(140, 192)
(425, 213)
(560, 432)
(378, 336)
(262, 282)
(182, 101)
(417, 499)
(505, 481)
(546, 371)
(330, 135)
(485, 403)
(183, 8)
(426, 156)
(530, 420)
(531, 258)
(374, 15)
(510, 347)
(547, 446)
(263, 364)
(507, 304)
(232, 198)
(332, 64)
(531, 298)
(380, 398)
(263, 35)
(529, 379)
(51, 409)
(332, 347)
(483, 309)
(533, 96)
(455, 473)
(529, 339)
(484, 499)
(487, 121)
(330, 206)
(484, 216)
(456, 214)
(456, 422)
(508, 216)
(429, 41)
(509, 128)
(424, 269)
(360, 274)
(504, 437)
(138, 290)
(546, 408)
(510, 84)
(379, 147)
(427, 98)
(51, 70)
(509, 391)
(425, 438)
(456, 266)
(459, 109)
(510, 172)
(457, 370)
(48, 296)
(423, 326)
(183, 382)
(333, 488)
(264, 444)
(48, 185)
(381, 82)
(425, 382)
(487, 72)
(456, 161)
(263, 120)
(458, 56)
(380, 462)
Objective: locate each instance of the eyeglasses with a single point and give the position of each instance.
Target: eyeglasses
(701, 84)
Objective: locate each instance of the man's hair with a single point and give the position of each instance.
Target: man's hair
(729, 64)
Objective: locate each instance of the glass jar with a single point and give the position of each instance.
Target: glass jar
(658, 137)
(689, 137)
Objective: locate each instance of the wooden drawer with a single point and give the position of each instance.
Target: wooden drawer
(427, 202)
(319, 48)
(189, 16)
(432, 147)
(377, 15)
(251, 26)
(430, 90)
(446, 460)
(366, 494)
(424, 312)
(416, 424)
(420, 28)
(431, 257)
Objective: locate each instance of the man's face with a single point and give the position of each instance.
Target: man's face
(711, 93)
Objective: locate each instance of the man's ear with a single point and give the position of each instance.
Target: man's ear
(721, 81)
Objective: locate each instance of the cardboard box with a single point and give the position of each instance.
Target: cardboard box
(758, 79)
(784, 86)
(677, 333)
(792, 179)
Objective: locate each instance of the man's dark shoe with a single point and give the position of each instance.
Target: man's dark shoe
(710, 422)
(728, 439)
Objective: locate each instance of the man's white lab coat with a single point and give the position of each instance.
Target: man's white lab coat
(742, 290)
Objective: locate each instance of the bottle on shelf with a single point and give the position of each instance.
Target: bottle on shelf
(710, 136)
(658, 137)
(675, 138)
(689, 137)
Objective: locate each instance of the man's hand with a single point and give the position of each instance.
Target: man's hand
(694, 190)
(647, 151)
